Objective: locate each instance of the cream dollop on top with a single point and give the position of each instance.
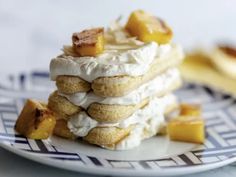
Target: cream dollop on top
(148, 90)
(80, 124)
(123, 55)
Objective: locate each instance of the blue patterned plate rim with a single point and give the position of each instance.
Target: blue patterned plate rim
(219, 149)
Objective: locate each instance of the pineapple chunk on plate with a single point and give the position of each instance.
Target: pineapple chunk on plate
(35, 121)
(89, 42)
(187, 129)
(148, 28)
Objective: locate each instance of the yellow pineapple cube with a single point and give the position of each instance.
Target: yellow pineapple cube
(186, 128)
(148, 28)
(190, 110)
(89, 42)
(35, 121)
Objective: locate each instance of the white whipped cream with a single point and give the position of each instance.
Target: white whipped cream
(123, 55)
(152, 126)
(147, 90)
(133, 62)
(80, 124)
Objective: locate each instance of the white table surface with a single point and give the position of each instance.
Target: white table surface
(32, 32)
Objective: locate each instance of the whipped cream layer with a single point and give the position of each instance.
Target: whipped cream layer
(140, 132)
(132, 62)
(80, 124)
(123, 55)
(148, 90)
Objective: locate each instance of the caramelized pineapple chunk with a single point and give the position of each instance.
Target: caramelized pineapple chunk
(186, 128)
(89, 42)
(36, 121)
(148, 28)
(190, 110)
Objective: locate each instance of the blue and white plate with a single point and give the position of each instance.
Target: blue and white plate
(156, 156)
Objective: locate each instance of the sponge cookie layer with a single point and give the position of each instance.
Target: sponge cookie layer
(122, 85)
(106, 137)
(101, 112)
(103, 136)
(118, 85)
(111, 137)
(61, 106)
(114, 113)
(71, 84)
(62, 130)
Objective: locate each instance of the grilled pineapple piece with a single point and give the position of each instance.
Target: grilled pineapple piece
(89, 42)
(190, 110)
(62, 130)
(186, 128)
(36, 121)
(148, 28)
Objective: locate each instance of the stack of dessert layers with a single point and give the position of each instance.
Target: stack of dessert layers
(119, 97)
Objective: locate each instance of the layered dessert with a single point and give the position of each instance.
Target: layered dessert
(214, 67)
(115, 85)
